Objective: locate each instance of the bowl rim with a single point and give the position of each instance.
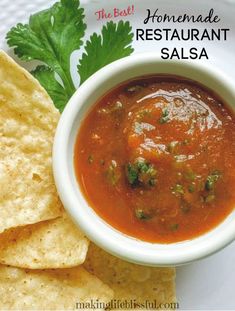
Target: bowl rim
(96, 229)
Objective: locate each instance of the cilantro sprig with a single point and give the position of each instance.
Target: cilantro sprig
(52, 35)
(113, 43)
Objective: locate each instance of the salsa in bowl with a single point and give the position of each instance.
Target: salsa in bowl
(146, 160)
(154, 156)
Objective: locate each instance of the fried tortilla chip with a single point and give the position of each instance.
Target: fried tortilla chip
(56, 243)
(131, 282)
(59, 289)
(28, 120)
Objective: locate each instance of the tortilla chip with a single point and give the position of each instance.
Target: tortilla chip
(132, 282)
(54, 243)
(57, 289)
(28, 120)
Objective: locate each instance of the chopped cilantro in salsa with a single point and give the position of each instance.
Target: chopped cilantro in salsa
(141, 173)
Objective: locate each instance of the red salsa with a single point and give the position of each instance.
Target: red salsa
(155, 158)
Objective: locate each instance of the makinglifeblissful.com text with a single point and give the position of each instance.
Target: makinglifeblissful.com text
(119, 304)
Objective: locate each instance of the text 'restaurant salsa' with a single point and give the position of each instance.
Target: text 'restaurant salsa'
(155, 158)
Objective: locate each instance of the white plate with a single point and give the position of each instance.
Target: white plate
(208, 284)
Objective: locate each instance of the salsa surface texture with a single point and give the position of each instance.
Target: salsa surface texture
(155, 158)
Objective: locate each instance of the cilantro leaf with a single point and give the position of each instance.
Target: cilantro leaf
(51, 36)
(113, 43)
(46, 76)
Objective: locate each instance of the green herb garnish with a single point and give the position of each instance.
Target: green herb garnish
(178, 189)
(142, 215)
(165, 116)
(52, 35)
(141, 173)
(212, 179)
(132, 174)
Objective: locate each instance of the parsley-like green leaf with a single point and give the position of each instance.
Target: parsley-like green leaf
(51, 36)
(46, 76)
(100, 50)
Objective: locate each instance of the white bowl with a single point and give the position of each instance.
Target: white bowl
(84, 216)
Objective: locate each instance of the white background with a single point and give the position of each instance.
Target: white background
(210, 283)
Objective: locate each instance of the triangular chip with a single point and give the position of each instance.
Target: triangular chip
(61, 289)
(28, 120)
(56, 243)
(130, 282)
